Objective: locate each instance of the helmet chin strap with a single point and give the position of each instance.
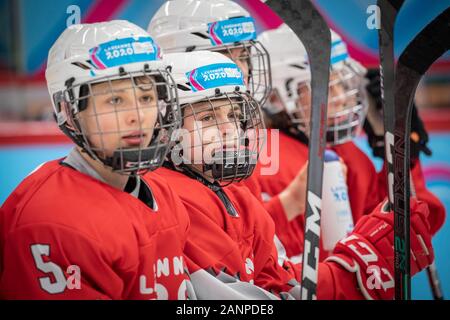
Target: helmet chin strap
(230, 164)
(227, 166)
(131, 160)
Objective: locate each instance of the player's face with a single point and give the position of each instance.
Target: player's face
(120, 115)
(304, 96)
(337, 97)
(303, 103)
(212, 127)
(275, 100)
(337, 94)
(240, 56)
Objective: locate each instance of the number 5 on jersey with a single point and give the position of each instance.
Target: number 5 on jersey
(61, 283)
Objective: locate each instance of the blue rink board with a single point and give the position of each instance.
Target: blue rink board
(17, 161)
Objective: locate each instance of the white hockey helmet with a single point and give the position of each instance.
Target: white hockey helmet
(214, 25)
(291, 81)
(88, 54)
(212, 81)
(344, 123)
(290, 66)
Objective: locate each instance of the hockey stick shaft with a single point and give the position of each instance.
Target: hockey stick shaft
(307, 23)
(389, 10)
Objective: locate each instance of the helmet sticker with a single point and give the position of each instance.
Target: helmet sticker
(215, 75)
(124, 51)
(338, 52)
(232, 30)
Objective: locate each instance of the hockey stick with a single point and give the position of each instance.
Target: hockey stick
(432, 42)
(307, 23)
(389, 10)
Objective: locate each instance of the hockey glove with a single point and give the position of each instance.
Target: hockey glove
(374, 128)
(369, 250)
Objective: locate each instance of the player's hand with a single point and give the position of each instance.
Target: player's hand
(293, 198)
(368, 250)
(374, 125)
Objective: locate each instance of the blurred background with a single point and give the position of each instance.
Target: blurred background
(29, 136)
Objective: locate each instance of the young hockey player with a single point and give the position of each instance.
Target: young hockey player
(200, 22)
(231, 236)
(374, 128)
(86, 226)
(288, 109)
(224, 26)
(221, 26)
(219, 144)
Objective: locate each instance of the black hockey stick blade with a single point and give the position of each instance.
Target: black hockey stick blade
(432, 42)
(310, 27)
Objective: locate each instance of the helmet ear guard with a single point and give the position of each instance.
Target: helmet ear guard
(64, 118)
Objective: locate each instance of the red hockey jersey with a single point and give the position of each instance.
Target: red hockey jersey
(66, 235)
(242, 245)
(366, 188)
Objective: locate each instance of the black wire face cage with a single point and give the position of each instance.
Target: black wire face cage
(222, 137)
(347, 106)
(125, 122)
(256, 58)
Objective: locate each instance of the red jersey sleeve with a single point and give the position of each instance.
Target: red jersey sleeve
(437, 209)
